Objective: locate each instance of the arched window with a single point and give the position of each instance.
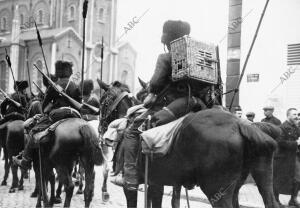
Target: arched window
(101, 15)
(21, 20)
(40, 16)
(3, 75)
(4, 23)
(71, 13)
(124, 76)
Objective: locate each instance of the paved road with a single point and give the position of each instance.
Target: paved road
(22, 199)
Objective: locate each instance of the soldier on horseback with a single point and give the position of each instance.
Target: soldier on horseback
(88, 114)
(9, 109)
(167, 101)
(55, 107)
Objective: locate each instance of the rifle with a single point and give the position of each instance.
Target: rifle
(11, 100)
(59, 89)
(41, 91)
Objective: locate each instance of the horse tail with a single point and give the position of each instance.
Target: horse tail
(91, 143)
(257, 142)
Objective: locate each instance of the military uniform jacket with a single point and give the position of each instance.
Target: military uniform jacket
(58, 101)
(93, 101)
(7, 107)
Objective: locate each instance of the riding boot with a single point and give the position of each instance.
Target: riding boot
(25, 162)
(131, 143)
(294, 202)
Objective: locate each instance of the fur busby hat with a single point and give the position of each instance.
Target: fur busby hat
(21, 85)
(88, 86)
(174, 29)
(63, 69)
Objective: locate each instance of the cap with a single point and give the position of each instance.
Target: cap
(250, 114)
(268, 107)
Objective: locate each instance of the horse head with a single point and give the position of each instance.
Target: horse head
(114, 102)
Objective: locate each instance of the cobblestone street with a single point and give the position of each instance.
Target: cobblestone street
(117, 198)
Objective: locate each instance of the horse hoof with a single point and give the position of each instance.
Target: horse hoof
(56, 200)
(21, 188)
(79, 191)
(34, 194)
(105, 196)
(12, 190)
(3, 183)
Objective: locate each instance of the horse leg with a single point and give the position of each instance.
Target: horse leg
(6, 167)
(262, 172)
(81, 178)
(240, 183)
(131, 198)
(155, 194)
(21, 182)
(176, 196)
(89, 181)
(105, 194)
(58, 190)
(37, 180)
(15, 180)
(69, 187)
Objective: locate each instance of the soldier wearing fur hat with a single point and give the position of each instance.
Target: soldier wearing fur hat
(11, 111)
(87, 114)
(54, 108)
(179, 98)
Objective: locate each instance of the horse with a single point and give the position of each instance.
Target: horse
(216, 151)
(72, 138)
(114, 104)
(13, 141)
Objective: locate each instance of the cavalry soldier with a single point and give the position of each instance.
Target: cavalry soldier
(88, 98)
(54, 108)
(9, 110)
(179, 98)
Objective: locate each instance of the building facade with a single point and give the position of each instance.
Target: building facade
(61, 29)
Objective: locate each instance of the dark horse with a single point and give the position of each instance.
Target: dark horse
(216, 151)
(13, 141)
(71, 139)
(114, 104)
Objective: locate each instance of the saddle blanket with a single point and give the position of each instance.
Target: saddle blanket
(158, 140)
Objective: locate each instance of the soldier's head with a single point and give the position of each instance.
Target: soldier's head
(292, 115)
(88, 87)
(250, 116)
(268, 111)
(238, 111)
(174, 29)
(63, 69)
(21, 86)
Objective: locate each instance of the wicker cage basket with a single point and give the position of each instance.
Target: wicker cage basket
(192, 59)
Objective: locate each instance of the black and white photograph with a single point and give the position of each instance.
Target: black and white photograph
(150, 104)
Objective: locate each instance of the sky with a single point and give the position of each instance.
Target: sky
(209, 21)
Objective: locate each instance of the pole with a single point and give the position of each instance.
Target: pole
(41, 45)
(249, 53)
(29, 79)
(187, 198)
(101, 66)
(12, 73)
(84, 12)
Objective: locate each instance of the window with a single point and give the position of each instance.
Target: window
(3, 23)
(101, 15)
(124, 76)
(40, 16)
(71, 13)
(3, 75)
(21, 20)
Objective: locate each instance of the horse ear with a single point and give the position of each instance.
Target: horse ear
(103, 85)
(142, 83)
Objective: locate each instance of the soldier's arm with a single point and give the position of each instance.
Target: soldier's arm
(162, 73)
(49, 95)
(3, 106)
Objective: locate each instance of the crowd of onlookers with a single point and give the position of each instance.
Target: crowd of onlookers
(286, 168)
